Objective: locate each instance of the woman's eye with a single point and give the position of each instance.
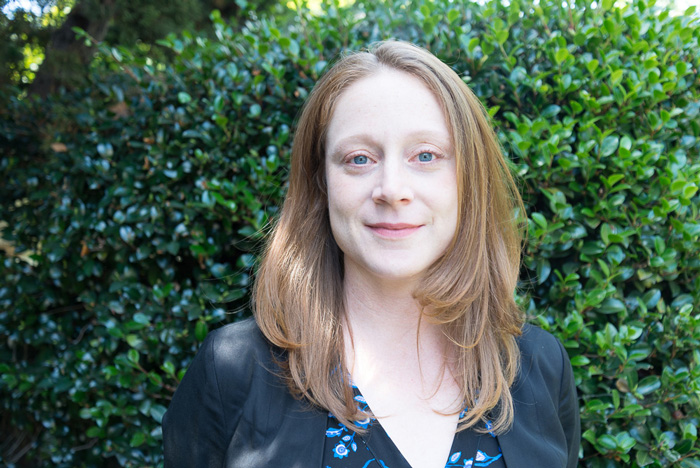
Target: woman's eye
(359, 160)
(426, 157)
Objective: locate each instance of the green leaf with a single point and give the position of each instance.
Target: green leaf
(605, 232)
(607, 442)
(626, 143)
(689, 190)
(690, 463)
(592, 65)
(543, 269)
(141, 318)
(595, 297)
(692, 229)
(690, 431)
(255, 110)
(625, 442)
(137, 439)
(452, 15)
(169, 368)
(616, 77)
(561, 55)
(200, 330)
(612, 306)
(134, 341)
(615, 178)
(539, 219)
(294, 47)
(609, 145)
(644, 458)
(639, 354)
(155, 379)
(133, 356)
(648, 385)
(183, 97)
(95, 431)
(579, 361)
(654, 120)
(550, 111)
(157, 412)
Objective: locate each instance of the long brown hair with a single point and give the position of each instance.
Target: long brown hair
(469, 291)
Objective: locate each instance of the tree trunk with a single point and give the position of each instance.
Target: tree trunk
(67, 59)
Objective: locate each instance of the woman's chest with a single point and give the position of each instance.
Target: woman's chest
(405, 433)
(415, 417)
(344, 448)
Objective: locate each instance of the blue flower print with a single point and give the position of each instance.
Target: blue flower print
(362, 406)
(335, 432)
(340, 451)
(489, 427)
(482, 459)
(346, 444)
(363, 423)
(454, 458)
(344, 438)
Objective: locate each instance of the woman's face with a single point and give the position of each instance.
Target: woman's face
(391, 176)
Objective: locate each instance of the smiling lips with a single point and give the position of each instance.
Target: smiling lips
(394, 230)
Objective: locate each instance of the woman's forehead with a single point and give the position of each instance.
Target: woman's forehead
(386, 104)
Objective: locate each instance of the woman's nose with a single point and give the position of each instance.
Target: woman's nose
(393, 185)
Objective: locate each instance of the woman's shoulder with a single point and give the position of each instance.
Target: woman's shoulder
(547, 423)
(536, 340)
(237, 348)
(542, 353)
(227, 380)
(242, 336)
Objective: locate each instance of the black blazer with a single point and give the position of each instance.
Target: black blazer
(232, 410)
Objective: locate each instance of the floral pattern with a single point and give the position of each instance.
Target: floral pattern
(481, 459)
(343, 445)
(346, 443)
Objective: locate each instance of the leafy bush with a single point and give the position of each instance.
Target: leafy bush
(142, 199)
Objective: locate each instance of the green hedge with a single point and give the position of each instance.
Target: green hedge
(142, 201)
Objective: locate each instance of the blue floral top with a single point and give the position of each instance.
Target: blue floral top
(346, 449)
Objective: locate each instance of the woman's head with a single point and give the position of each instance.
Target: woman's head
(485, 190)
(469, 289)
(391, 184)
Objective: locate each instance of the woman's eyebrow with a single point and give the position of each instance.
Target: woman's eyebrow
(352, 140)
(439, 138)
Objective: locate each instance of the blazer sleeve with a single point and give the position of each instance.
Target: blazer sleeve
(546, 430)
(202, 415)
(569, 413)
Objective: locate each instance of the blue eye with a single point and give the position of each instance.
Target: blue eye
(360, 160)
(426, 157)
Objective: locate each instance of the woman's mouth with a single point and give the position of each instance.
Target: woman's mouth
(394, 230)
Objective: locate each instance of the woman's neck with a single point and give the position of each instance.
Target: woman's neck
(385, 305)
(384, 322)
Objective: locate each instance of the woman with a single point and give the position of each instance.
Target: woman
(385, 331)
